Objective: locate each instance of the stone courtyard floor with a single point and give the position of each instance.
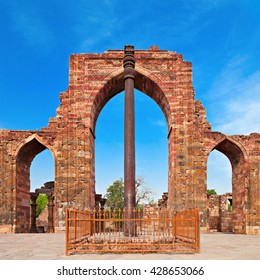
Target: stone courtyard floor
(214, 246)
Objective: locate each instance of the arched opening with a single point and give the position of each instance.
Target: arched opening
(42, 181)
(42, 169)
(219, 192)
(109, 147)
(230, 205)
(24, 194)
(151, 144)
(219, 173)
(115, 85)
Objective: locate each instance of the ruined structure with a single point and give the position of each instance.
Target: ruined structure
(48, 190)
(70, 136)
(220, 212)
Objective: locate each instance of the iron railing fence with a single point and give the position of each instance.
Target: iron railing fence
(153, 231)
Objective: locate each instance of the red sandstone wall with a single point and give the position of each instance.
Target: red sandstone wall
(219, 216)
(93, 80)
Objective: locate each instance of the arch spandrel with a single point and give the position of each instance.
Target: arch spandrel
(114, 84)
(26, 141)
(220, 144)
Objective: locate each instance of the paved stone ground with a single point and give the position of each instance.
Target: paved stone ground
(214, 246)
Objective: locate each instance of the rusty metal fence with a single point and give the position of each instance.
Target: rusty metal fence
(155, 231)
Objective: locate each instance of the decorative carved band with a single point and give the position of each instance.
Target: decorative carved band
(129, 62)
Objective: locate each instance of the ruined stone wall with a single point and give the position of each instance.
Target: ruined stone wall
(213, 213)
(93, 80)
(219, 214)
(42, 221)
(243, 153)
(225, 217)
(18, 149)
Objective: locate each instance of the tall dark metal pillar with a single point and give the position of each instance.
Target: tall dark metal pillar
(129, 137)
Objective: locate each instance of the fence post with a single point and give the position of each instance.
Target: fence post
(197, 231)
(154, 231)
(75, 225)
(67, 232)
(174, 224)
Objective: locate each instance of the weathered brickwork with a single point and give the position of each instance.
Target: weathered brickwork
(70, 136)
(220, 213)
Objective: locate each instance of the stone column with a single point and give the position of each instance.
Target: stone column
(165, 199)
(50, 228)
(102, 204)
(129, 137)
(33, 197)
(98, 212)
(97, 200)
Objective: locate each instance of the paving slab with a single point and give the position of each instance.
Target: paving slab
(214, 246)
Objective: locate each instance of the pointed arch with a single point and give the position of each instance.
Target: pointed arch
(36, 137)
(25, 153)
(236, 154)
(114, 84)
(223, 141)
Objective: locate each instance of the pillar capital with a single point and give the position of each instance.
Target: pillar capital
(33, 197)
(129, 62)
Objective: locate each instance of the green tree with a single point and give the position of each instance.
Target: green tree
(211, 191)
(41, 202)
(115, 194)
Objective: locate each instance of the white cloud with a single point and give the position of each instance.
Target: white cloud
(160, 123)
(237, 99)
(242, 117)
(94, 23)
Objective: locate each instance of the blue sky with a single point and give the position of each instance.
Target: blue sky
(220, 38)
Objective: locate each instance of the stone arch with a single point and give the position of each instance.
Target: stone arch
(237, 157)
(29, 139)
(93, 80)
(25, 154)
(231, 140)
(144, 82)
